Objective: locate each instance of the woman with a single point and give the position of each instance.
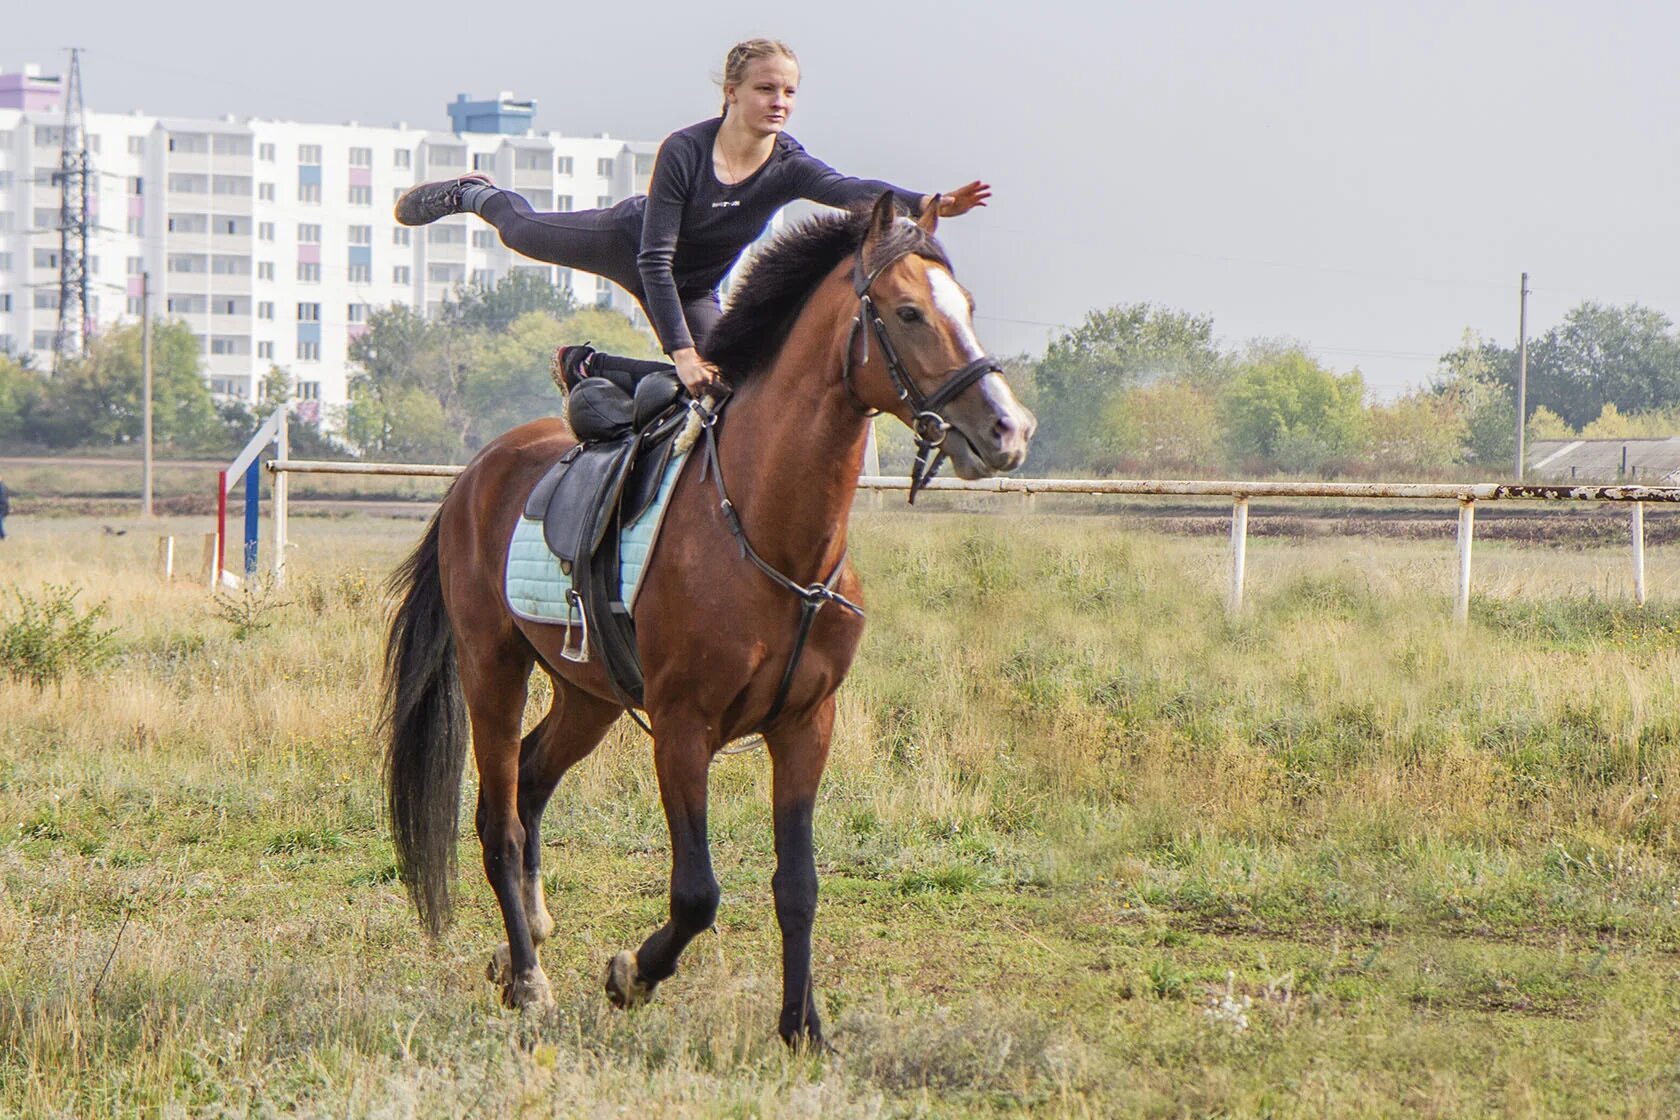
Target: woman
(715, 187)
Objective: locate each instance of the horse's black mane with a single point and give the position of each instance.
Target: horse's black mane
(782, 277)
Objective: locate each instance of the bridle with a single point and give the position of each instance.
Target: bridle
(929, 427)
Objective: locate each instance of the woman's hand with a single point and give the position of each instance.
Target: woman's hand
(964, 199)
(695, 373)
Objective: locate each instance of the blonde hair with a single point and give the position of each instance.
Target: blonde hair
(745, 52)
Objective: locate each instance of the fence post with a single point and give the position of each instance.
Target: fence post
(1639, 553)
(282, 452)
(1239, 552)
(166, 557)
(1466, 534)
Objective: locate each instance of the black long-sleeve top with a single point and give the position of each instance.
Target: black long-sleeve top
(694, 228)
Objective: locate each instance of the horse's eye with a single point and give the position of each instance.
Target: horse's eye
(909, 315)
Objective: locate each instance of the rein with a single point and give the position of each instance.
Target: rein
(812, 597)
(929, 426)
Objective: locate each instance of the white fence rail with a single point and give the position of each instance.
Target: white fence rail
(1465, 494)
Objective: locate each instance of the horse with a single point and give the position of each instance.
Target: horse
(723, 645)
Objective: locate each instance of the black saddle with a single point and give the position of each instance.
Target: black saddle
(627, 414)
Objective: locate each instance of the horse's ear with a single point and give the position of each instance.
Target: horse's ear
(881, 219)
(929, 221)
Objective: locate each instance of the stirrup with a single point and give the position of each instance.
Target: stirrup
(580, 652)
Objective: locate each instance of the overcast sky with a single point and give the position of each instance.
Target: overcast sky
(1369, 179)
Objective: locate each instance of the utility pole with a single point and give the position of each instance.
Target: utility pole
(75, 310)
(1522, 375)
(146, 374)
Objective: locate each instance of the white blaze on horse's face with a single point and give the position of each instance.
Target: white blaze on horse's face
(1012, 425)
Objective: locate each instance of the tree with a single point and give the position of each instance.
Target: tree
(1167, 427)
(517, 294)
(1421, 432)
(1543, 423)
(1471, 375)
(21, 390)
(1283, 406)
(96, 399)
(1114, 350)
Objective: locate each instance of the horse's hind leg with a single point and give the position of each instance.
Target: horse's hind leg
(495, 688)
(682, 755)
(574, 725)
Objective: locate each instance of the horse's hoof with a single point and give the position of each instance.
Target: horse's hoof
(624, 988)
(500, 969)
(529, 992)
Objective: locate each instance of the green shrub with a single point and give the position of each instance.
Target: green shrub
(43, 638)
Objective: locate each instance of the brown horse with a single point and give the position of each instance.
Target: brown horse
(715, 633)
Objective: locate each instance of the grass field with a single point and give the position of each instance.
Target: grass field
(1088, 849)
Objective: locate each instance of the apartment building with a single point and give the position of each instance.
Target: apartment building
(274, 240)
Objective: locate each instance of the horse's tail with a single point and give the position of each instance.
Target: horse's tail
(426, 716)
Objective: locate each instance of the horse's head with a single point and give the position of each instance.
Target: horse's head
(914, 354)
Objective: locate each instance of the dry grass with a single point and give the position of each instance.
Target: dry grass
(1070, 803)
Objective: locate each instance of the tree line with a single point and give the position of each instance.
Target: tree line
(1137, 389)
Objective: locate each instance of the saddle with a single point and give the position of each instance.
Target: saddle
(627, 414)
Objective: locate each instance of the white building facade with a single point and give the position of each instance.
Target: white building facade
(275, 240)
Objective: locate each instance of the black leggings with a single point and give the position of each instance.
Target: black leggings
(589, 241)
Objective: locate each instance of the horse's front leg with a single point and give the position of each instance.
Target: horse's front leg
(682, 754)
(798, 753)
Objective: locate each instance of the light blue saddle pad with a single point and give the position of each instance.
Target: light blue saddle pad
(536, 586)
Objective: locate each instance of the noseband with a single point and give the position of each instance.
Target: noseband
(929, 426)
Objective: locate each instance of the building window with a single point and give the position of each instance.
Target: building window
(439, 157)
(603, 166)
(309, 351)
(265, 152)
(309, 272)
(265, 310)
(356, 312)
(308, 390)
(190, 184)
(361, 196)
(361, 157)
(401, 236)
(187, 262)
(46, 299)
(644, 164)
(265, 192)
(265, 270)
(237, 185)
(223, 344)
(401, 274)
(136, 145)
(189, 142)
(5, 301)
(136, 265)
(484, 161)
(309, 193)
(223, 264)
(563, 278)
(136, 226)
(563, 165)
(136, 185)
(481, 278)
(227, 307)
(402, 157)
(46, 258)
(309, 153)
(562, 202)
(236, 226)
(43, 340)
(360, 274)
(603, 201)
(187, 223)
(530, 159)
(309, 233)
(265, 231)
(447, 235)
(135, 304)
(309, 313)
(443, 273)
(229, 145)
(361, 235)
(483, 239)
(265, 350)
